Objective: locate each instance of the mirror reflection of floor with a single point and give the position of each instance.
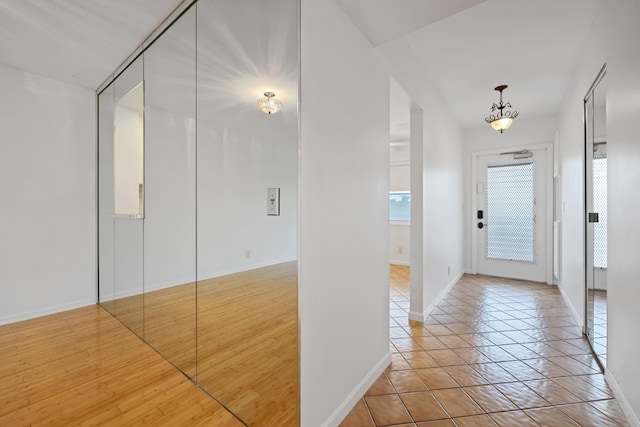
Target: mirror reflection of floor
(241, 345)
(600, 325)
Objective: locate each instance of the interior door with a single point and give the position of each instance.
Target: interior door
(511, 215)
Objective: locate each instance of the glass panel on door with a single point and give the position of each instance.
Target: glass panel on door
(511, 212)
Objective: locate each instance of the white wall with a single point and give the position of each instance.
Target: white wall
(344, 217)
(438, 231)
(623, 153)
(47, 183)
(236, 170)
(399, 178)
(613, 40)
(571, 172)
(523, 132)
(399, 242)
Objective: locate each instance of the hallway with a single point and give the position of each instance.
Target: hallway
(494, 352)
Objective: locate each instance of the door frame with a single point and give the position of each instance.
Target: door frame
(548, 182)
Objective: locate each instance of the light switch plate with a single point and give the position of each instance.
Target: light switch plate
(273, 201)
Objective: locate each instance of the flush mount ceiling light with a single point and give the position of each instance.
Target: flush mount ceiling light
(269, 104)
(503, 119)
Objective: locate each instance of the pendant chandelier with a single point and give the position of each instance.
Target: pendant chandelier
(503, 119)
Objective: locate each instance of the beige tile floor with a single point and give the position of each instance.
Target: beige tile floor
(495, 352)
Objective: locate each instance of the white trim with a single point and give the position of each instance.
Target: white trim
(165, 285)
(396, 223)
(244, 268)
(474, 208)
(397, 262)
(417, 316)
(467, 271)
(572, 309)
(632, 417)
(45, 311)
(422, 317)
(549, 201)
(356, 394)
(399, 163)
(549, 223)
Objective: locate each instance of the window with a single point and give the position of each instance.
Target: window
(400, 206)
(511, 212)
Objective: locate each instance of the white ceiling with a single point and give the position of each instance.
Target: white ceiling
(77, 41)
(468, 50)
(467, 47)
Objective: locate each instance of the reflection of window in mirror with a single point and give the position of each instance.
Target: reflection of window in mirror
(128, 155)
(400, 206)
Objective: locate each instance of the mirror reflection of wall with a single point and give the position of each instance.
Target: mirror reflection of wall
(170, 195)
(247, 275)
(190, 259)
(120, 204)
(128, 152)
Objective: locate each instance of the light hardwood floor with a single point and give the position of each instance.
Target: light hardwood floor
(240, 345)
(83, 367)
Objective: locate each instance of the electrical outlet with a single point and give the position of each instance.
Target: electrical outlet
(400, 250)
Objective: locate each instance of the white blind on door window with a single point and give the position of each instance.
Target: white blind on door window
(600, 206)
(511, 212)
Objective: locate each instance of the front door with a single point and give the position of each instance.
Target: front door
(511, 215)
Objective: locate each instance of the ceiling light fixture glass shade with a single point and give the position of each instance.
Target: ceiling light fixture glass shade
(502, 119)
(269, 104)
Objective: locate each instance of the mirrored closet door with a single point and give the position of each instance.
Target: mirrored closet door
(596, 216)
(197, 177)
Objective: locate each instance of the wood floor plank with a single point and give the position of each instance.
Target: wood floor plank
(88, 369)
(83, 367)
(247, 338)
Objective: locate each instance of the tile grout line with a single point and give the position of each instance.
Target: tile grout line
(552, 340)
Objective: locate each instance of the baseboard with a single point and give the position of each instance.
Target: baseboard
(45, 311)
(572, 309)
(632, 418)
(417, 316)
(468, 271)
(422, 317)
(441, 296)
(160, 286)
(171, 284)
(347, 405)
(398, 262)
(244, 268)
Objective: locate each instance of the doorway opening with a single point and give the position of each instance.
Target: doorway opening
(399, 196)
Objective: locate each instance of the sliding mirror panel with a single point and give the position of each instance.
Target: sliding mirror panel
(121, 203)
(106, 268)
(596, 221)
(247, 208)
(170, 195)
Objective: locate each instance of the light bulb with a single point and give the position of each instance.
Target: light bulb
(269, 104)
